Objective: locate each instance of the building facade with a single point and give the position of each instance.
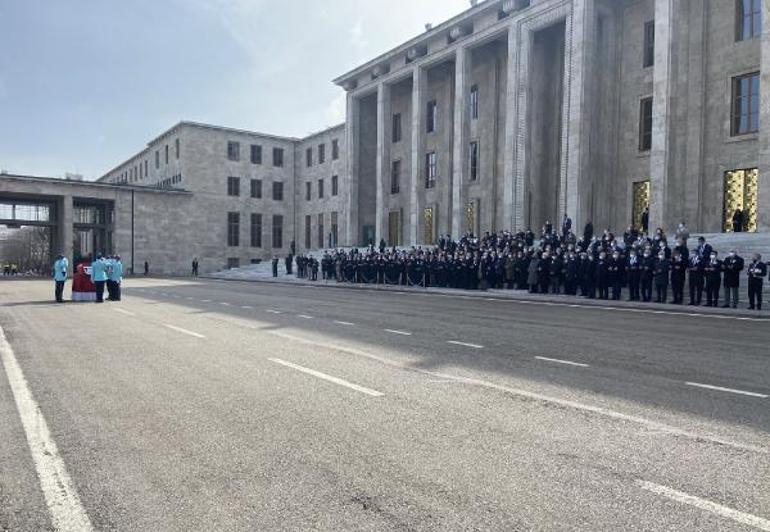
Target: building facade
(509, 115)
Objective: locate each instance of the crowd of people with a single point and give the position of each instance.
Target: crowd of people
(645, 267)
(90, 279)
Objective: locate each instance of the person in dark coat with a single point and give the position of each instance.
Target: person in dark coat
(571, 274)
(556, 274)
(646, 220)
(678, 274)
(544, 273)
(275, 266)
(738, 221)
(647, 274)
(713, 273)
(533, 273)
(633, 274)
(603, 276)
(588, 275)
(732, 267)
(661, 273)
(588, 233)
(615, 275)
(695, 271)
(757, 271)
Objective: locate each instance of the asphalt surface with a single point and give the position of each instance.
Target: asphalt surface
(250, 406)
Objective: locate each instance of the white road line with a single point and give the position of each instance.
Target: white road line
(559, 361)
(464, 344)
(270, 311)
(225, 304)
(708, 506)
(67, 512)
(247, 307)
(656, 426)
(205, 301)
(188, 298)
(343, 322)
(304, 316)
(491, 299)
(127, 313)
(335, 380)
(184, 331)
(728, 390)
(402, 333)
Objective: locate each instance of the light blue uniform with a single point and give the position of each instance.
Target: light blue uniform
(116, 271)
(60, 268)
(99, 270)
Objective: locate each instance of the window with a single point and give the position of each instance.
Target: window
(308, 232)
(335, 185)
(308, 191)
(277, 231)
(256, 154)
(396, 128)
(474, 160)
(278, 157)
(233, 186)
(645, 125)
(320, 188)
(256, 230)
(233, 229)
(395, 177)
(335, 149)
(320, 231)
(256, 188)
(166, 153)
(146, 171)
(475, 102)
(278, 191)
(432, 118)
(233, 262)
(431, 162)
(649, 44)
(321, 153)
(309, 157)
(157, 159)
(745, 112)
(335, 226)
(748, 19)
(176, 148)
(234, 151)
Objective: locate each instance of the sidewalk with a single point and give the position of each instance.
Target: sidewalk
(516, 295)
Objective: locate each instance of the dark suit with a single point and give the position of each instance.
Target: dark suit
(713, 272)
(757, 272)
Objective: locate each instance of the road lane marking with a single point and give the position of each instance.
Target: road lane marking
(67, 512)
(706, 505)
(402, 333)
(656, 426)
(270, 311)
(127, 313)
(304, 316)
(225, 304)
(559, 361)
(189, 298)
(184, 331)
(324, 376)
(205, 301)
(343, 322)
(246, 307)
(465, 344)
(728, 390)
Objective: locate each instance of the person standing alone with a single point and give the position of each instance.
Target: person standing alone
(60, 268)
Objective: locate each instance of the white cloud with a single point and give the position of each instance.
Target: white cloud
(337, 109)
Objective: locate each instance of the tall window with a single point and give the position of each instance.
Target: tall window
(234, 151)
(432, 117)
(335, 185)
(256, 230)
(309, 157)
(335, 149)
(645, 125)
(320, 230)
(256, 154)
(321, 153)
(233, 186)
(475, 102)
(308, 190)
(256, 188)
(146, 171)
(176, 148)
(748, 19)
(277, 231)
(431, 170)
(278, 157)
(320, 188)
(396, 128)
(166, 153)
(157, 159)
(308, 232)
(474, 161)
(335, 227)
(649, 44)
(233, 229)
(395, 177)
(745, 112)
(277, 191)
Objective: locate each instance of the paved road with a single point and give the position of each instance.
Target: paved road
(237, 406)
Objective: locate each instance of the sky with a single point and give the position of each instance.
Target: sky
(85, 84)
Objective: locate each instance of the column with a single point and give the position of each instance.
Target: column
(383, 158)
(763, 201)
(460, 150)
(419, 89)
(579, 49)
(512, 198)
(351, 145)
(66, 233)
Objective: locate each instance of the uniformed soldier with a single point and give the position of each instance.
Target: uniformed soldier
(60, 270)
(99, 276)
(115, 278)
(757, 272)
